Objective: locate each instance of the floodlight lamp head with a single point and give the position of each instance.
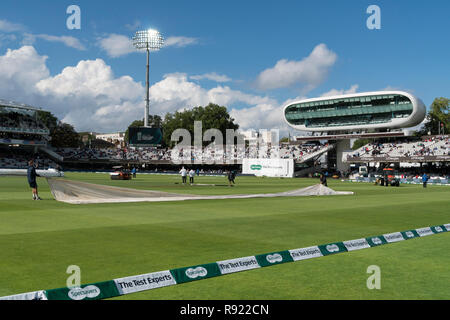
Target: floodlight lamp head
(148, 39)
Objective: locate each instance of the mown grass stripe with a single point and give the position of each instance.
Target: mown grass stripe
(114, 288)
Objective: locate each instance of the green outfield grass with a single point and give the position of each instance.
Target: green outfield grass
(40, 239)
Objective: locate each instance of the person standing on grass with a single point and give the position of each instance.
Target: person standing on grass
(191, 176)
(31, 175)
(425, 178)
(323, 180)
(183, 172)
(230, 178)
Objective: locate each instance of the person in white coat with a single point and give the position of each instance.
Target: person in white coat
(183, 173)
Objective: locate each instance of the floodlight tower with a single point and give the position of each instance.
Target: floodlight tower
(151, 40)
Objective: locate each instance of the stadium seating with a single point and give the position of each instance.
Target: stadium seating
(299, 153)
(21, 162)
(436, 146)
(20, 122)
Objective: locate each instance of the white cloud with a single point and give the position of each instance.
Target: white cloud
(335, 92)
(21, 69)
(227, 96)
(176, 92)
(91, 98)
(133, 26)
(211, 76)
(90, 77)
(6, 26)
(68, 41)
(87, 95)
(117, 45)
(180, 41)
(29, 38)
(85, 92)
(7, 38)
(265, 115)
(261, 116)
(310, 71)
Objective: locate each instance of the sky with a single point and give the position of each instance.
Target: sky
(253, 57)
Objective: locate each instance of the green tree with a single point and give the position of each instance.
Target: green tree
(155, 121)
(212, 116)
(438, 115)
(101, 144)
(48, 119)
(64, 136)
(359, 143)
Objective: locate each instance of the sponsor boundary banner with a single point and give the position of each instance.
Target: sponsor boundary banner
(149, 281)
(198, 272)
(144, 282)
(305, 253)
(270, 259)
(237, 265)
(268, 167)
(94, 291)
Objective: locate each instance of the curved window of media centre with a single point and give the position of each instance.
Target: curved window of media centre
(373, 109)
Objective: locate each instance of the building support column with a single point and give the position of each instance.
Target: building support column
(341, 147)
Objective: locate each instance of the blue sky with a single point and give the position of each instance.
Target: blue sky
(252, 56)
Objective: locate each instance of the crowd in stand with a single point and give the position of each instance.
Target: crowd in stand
(20, 120)
(299, 152)
(435, 146)
(20, 161)
(138, 154)
(428, 147)
(210, 153)
(36, 138)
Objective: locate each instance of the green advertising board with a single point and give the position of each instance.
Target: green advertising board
(198, 272)
(273, 258)
(94, 291)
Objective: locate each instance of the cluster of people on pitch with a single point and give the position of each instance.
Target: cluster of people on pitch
(231, 175)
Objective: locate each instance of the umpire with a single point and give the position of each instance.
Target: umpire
(31, 175)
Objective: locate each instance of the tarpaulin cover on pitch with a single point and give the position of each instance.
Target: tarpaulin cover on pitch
(77, 192)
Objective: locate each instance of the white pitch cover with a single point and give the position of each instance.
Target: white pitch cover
(393, 237)
(356, 244)
(239, 264)
(144, 282)
(447, 226)
(305, 253)
(424, 232)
